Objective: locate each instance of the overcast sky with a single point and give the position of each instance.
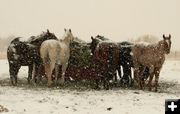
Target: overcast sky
(116, 19)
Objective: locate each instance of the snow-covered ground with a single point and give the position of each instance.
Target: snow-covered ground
(25, 99)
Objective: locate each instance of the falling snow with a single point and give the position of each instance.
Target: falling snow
(25, 99)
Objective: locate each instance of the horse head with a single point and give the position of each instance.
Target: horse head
(167, 43)
(102, 38)
(93, 44)
(68, 37)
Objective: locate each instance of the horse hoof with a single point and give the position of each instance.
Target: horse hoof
(156, 90)
(107, 88)
(49, 86)
(150, 89)
(61, 83)
(97, 88)
(29, 81)
(14, 84)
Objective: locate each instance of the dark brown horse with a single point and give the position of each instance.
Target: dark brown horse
(150, 56)
(125, 60)
(25, 53)
(106, 56)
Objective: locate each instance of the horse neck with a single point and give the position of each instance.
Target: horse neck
(66, 40)
(161, 48)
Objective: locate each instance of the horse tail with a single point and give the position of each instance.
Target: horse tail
(45, 58)
(44, 53)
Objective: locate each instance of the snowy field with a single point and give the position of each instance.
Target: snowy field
(28, 99)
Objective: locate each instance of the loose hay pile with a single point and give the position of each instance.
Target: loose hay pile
(81, 64)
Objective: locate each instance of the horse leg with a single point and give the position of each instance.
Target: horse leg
(115, 76)
(30, 73)
(142, 69)
(131, 79)
(57, 73)
(37, 69)
(119, 71)
(137, 78)
(64, 67)
(151, 71)
(150, 81)
(48, 70)
(12, 73)
(97, 84)
(106, 83)
(41, 72)
(157, 72)
(107, 79)
(14, 69)
(127, 75)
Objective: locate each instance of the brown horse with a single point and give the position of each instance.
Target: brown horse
(150, 56)
(106, 56)
(125, 61)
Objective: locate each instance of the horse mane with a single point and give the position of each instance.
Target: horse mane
(40, 38)
(15, 40)
(36, 38)
(102, 38)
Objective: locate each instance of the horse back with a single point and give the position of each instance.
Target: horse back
(106, 49)
(21, 52)
(147, 55)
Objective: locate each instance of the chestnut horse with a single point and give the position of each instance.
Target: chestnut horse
(151, 56)
(55, 54)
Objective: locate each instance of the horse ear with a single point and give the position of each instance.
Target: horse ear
(64, 29)
(164, 36)
(169, 36)
(69, 30)
(92, 38)
(48, 31)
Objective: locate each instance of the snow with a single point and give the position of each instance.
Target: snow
(22, 39)
(143, 43)
(25, 99)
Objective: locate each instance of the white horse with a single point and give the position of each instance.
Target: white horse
(55, 53)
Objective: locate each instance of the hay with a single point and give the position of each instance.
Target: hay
(81, 64)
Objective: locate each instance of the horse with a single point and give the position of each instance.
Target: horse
(125, 60)
(38, 69)
(55, 54)
(150, 56)
(25, 53)
(106, 56)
